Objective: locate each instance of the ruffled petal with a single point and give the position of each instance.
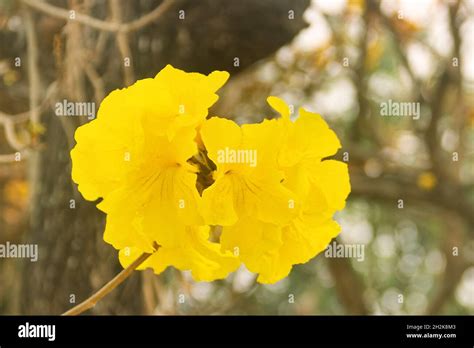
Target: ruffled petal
(218, 134)
(194, 252)
(280, 106)
(332, 178)
(191, 93)
(309, 137)
(256, 243)
(105, 149)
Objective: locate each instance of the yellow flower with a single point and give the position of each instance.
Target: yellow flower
(135, 156)
(270, 186)
(270, 247)
(272, 250)
(427, 181)
(175, 99)
(247, 180)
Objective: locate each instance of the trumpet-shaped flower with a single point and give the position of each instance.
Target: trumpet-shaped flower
(135, 156)
(271, 248)
(244, 187)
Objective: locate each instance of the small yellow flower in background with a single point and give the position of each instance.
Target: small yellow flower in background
(269, 185)
(356, 6)
(426, 181)
(10, 77)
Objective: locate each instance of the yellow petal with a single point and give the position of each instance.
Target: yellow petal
(264, 138)
(174, 201)
(332, 178)
(218, 134)
(300, 243)
(303, 241)
(218, 203)
(99, 159)
(309, 137)
(256, 243)
(243, 189)
(280, 106)
(323, 142)
(272, 250)
(195, 253)
(235, 196)
(124, 229)
(191, 93)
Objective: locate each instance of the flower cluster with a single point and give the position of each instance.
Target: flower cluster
(209, 193)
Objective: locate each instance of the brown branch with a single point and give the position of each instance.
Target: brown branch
(436, 98)
(107, 288)
(397, 41)
(96, 81)
(100, 47)
(449, 197)
(123, 43)
(97, 23)
(349, 286)
(436, 102)
(148, 18)
(393, 188)
(431, 134)
(8, 121)
(8, 158)
(64, 14)
(449, 194)
(10, 134)
(150, 297)
(359, 80)
(33, 73)
(455, 264)
(25, 116)
(16, 118)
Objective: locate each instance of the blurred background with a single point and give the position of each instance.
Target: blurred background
(411, 205)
